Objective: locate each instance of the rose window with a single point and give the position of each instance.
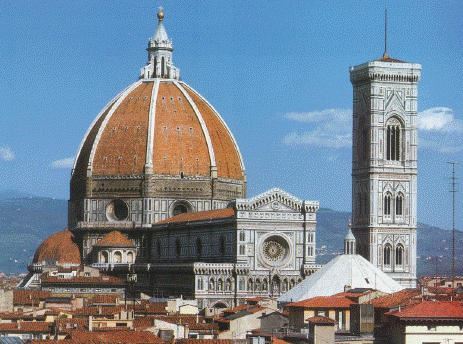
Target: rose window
(275, 249)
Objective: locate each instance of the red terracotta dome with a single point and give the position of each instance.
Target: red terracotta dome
(58, 248)
(160, 126)
(115, 239)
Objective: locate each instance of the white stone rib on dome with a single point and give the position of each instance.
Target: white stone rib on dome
(344, 270)
(221, 120)
(108, 117)
(200, 118)
(111, 102)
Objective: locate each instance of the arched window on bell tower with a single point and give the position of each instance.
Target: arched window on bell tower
(393, 140)
(399, 204)
(399, 255)
(387, 204)
(387, 254)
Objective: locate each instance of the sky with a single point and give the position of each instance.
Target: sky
(276, 71)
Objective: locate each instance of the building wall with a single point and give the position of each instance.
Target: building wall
(418, 334)
(385, 95)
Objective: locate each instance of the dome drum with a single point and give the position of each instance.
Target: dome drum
(158, 139)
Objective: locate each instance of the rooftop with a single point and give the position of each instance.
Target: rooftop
(431, 310)
(208, 215)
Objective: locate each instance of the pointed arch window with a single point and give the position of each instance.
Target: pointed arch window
(387, 204)
(399, 255)
(387, 254)
(393, 140)
(399, 200)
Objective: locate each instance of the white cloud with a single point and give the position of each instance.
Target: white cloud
(330, 128)
(438, 119)
(63, 163)
(6, 154)
(440, 130)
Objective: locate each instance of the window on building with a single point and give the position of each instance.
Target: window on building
(219, 284)
(117, 257)
(399, 255)
(250, 285)
(242, 236)
(241, 284)
(199, 247)
(399, 204)
(393, 140)
(222, 245)
(387, 254)
(178, 247)
(242, 250)
(387, 204)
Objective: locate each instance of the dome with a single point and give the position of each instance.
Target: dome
(160, 127)
(58, 248)
(114, 239)
(347, 270)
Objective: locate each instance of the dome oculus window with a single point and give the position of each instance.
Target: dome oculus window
(117, 210)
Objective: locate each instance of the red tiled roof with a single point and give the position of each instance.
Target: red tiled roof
(104, 299)
(113, 337)
(151, 308)
(101, 280)
(58, 248)
(321, 320)
(430, 310)
(395, 299)
(98, 310)
(323, 302)
(29, 297)
(26, 327)
(115, 239)
(204, 341)
(200, 216)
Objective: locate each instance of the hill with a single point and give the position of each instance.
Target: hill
(26, 220)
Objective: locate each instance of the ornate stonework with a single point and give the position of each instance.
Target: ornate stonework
(384, 165)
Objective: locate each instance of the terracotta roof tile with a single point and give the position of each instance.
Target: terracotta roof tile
(395, 299)
(179, 145)
(431, 310)
(321, 320)
(26, 327)
(115, 239)
(29, 297)
(108, 299)
(121, 149)
(323, 302)
(204, 341)
(58, 247)
(226, 154)
(82, 280)
(114, 337)
(200, 216)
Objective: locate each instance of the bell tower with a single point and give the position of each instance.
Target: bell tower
(384, 165)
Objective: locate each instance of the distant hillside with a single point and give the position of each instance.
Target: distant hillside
(26, 220)
(432, 242)
(24, 223)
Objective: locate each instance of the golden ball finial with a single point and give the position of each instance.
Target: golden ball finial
(160, 14)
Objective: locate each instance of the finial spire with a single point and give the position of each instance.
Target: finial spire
(385, 55)
(160, 14)
(160, 48)
(349, 241)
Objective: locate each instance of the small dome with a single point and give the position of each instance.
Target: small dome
(58, 248)
(114, 239)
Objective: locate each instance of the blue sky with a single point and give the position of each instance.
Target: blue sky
(277, 71)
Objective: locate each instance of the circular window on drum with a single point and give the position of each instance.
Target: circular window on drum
(275, 250)
(117, 210)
